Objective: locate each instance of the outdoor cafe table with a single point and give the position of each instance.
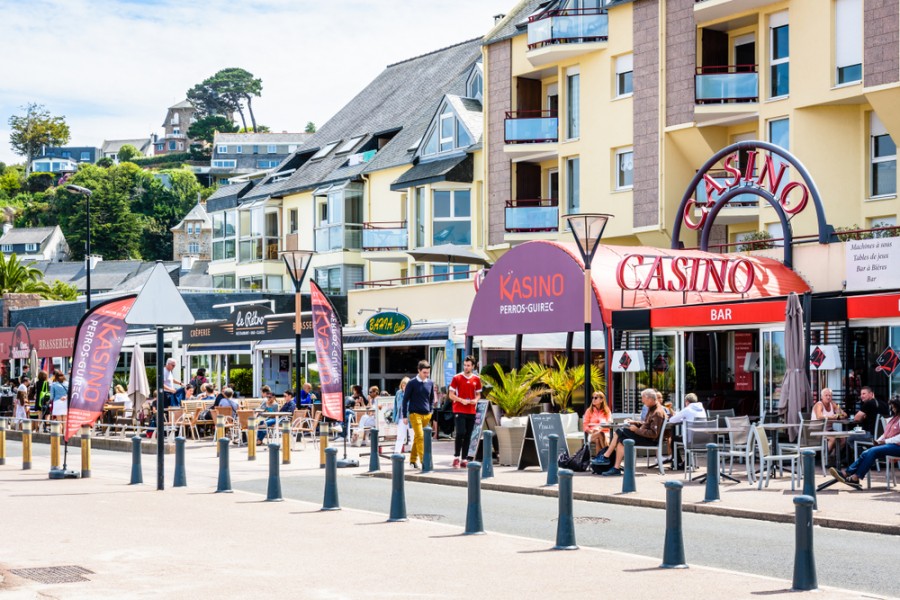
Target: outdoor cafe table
(718, 431)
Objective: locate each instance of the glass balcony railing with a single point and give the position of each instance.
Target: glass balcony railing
(568, 26)
(723, 178)
(341, 236)
(385, 236)
(525, 216)
(531, 126)
(722, 84)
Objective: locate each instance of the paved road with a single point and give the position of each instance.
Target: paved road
(738, 544)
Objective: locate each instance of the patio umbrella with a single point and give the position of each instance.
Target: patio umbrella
(33, 363)
(795, 392)
(448, 253)
(138, 386)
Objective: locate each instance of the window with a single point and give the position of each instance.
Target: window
(6, 248)
(222, 149)
(776, 231)
(175, 117)
(452, 217)
(272, 149)
(475, 83)
(883, 154)
(448, 133)
(223, 282)
(779, 134)
(446, 129)
(445, 273)
(266, 164)
(190, 228)
(31, 247)
(255, 149)
(624, 72)
(848, 41)
(85, 156)
(223, 247)
(573, 185)
(173, 146)
(176, 131)
(340, 279)
(324, 150)
(624, 169)
(274, 283)
(420, 217)
(159, 148)
(293, 220)
(573, 108)
(194, 248)
(239, 150)
(66, 154)
(779, 59)
(349, 145)
(254, 283)
(224, 164)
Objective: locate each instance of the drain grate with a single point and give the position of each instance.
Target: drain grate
(65, 574)
(427, 517)
(591, 520)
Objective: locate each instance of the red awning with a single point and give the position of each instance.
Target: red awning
(705, 315)
(873, 307)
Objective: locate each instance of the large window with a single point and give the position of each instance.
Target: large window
(339, 279)
(446, 134)
(224, 230)
(452, 217)
(848, 41)
(258, 234)
(779, 55)
(223, 282)
(883, 153)
(573, 185)
(448, 272)
(624, 72)
(573, 104)
(340, 218)
(624, 169)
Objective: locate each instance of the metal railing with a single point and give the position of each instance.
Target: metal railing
(414, 279)
(531, 126)
(385, 235)
(568, 26)
(340, 236)
(532, 215)
(718, 84)
(842, 235)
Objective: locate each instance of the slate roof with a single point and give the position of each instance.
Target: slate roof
(183, 104)
(403, 96)
(27, 235)
(459, 167)
(198, 213)
(113, 146)
(261, 138)
(106, 274)
(227, 196)
(470, 112)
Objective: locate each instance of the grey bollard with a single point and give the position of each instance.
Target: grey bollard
(804, 557)
(809, 476)
(487, 454)
(398, 492)
(180, 475)
(474, 523)
(628, 484)
(553, 459)
(137, 473)
(374, 462)
(565, 524)
(273, 494)
(224, 486)
(331, 501)
(673, 549)
(427, 463)
(712, 474)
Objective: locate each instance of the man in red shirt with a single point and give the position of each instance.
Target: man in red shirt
(465, 392)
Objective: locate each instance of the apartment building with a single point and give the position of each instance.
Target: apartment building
(251, 154)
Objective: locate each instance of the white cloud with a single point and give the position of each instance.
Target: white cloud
(112, 67)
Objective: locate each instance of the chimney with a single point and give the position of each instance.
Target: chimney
(94, 259)
(187, 262)
(499, 17)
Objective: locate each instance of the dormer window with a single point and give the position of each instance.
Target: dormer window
(475, 83)
(349, 144)
(447, 133)
(324, 150)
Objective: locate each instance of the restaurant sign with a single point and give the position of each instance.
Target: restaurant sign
(16, 343)
(247, 323)
(388, 323)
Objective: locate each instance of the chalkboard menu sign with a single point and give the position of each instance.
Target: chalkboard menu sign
(480, 410)
(536, 445)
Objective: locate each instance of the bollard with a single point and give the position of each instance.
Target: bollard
(673, 550)
(251, 439)
(398, 493)
(323, 443)
(553, 464)
(804, 558)
(712, 474)
(26, 445)
(374, 462)
(628, 484)
(331, 491)
(487, 454)
(565, 524)
(809, 476)
(427, 463)
(285, 442)
(220, 430)
(180, 475)
(3, 425)
(224, 486)
(474, 524)
(85, 451)
(55, 436)
(137, 474)
(274, 492)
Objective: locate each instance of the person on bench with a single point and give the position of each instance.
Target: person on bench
(645, 433)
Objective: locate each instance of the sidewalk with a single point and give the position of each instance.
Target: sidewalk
(134, 542)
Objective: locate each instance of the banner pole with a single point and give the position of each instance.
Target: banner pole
(160, 411)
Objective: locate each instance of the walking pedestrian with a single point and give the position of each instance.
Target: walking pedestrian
(404, 432)
(465, 392)
(59, 394)
(418, 404)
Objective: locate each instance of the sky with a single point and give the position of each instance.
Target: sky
(113, 67)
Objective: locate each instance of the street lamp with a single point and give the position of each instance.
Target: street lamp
(87, 255)
(297, 263)
(587, 229)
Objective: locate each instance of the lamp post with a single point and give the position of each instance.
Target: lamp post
(587, 229)
(297, 263)
(87, 253)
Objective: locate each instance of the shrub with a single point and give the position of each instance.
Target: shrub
(242, 381)
(39, 182)
(758, 240)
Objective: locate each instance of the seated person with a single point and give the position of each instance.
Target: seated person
(289, 404)
(888, 445)
(366, 422)
(598, 412)
(826, 408)
(645, 433)
(868, 414)
(692, 411)
(269, 406)
(228, 401)
(306, 395)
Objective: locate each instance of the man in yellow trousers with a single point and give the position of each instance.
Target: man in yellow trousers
(418, 403)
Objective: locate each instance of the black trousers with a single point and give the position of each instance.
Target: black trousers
(464, 425)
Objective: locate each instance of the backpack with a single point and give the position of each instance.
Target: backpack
(579, 463)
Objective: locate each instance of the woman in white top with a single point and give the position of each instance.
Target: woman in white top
(826, 408)
(120, 397)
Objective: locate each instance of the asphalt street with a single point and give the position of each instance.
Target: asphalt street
(853, 560)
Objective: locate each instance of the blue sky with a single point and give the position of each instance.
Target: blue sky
(112, 67)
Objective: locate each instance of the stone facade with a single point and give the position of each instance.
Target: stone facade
(881, 54)
(681, 51)
(499, 101)
(182, 240)
(646, 113)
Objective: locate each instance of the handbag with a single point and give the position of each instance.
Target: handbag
(579, 462)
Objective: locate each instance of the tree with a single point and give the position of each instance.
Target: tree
(62, 291)
(127, 152)
(34, 129)
(226, 92)
(205, 128)
(310, 127)
(10, 182)
(17, 278)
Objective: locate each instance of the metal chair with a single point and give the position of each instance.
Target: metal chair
(695, 441)
(739, 444)
(658, 449)
(767, 459)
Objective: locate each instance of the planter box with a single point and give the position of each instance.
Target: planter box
(510, 441)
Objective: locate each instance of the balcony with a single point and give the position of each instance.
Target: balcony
(740, 209)
(530, 216)
(726, 94)
(341, 236)
(711, 10)
(531, 134)
(558, 35)
(391, 235)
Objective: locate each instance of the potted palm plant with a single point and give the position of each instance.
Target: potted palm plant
(515, 393)
(563, 381)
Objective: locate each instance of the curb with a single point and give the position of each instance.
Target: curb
(98, 443)
(628, 500)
